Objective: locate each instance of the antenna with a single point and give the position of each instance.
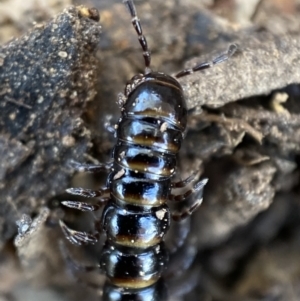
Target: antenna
(138, 28)
(219, 59)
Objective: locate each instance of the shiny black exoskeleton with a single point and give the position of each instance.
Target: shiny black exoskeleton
(137, 217)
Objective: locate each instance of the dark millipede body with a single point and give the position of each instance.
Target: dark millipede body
(136, 216)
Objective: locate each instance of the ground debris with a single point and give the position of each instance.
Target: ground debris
(258, 68)
(46, 78)
(259, 259)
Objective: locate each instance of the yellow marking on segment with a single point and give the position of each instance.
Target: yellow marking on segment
(134, 282)
(128, 241)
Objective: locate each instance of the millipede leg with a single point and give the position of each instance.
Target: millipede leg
(79, 237)
(83, 206)
(74, 265)
(198, 187)
(90, 167)
(185, 182)
(181, 285)
(179, 233)
(89, 193)
(195, 193)
(205, 65)
(178, 215)
(181, 260)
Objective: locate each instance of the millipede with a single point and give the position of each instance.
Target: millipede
(140, 185)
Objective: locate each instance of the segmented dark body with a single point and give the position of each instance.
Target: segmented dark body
(136, 219)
